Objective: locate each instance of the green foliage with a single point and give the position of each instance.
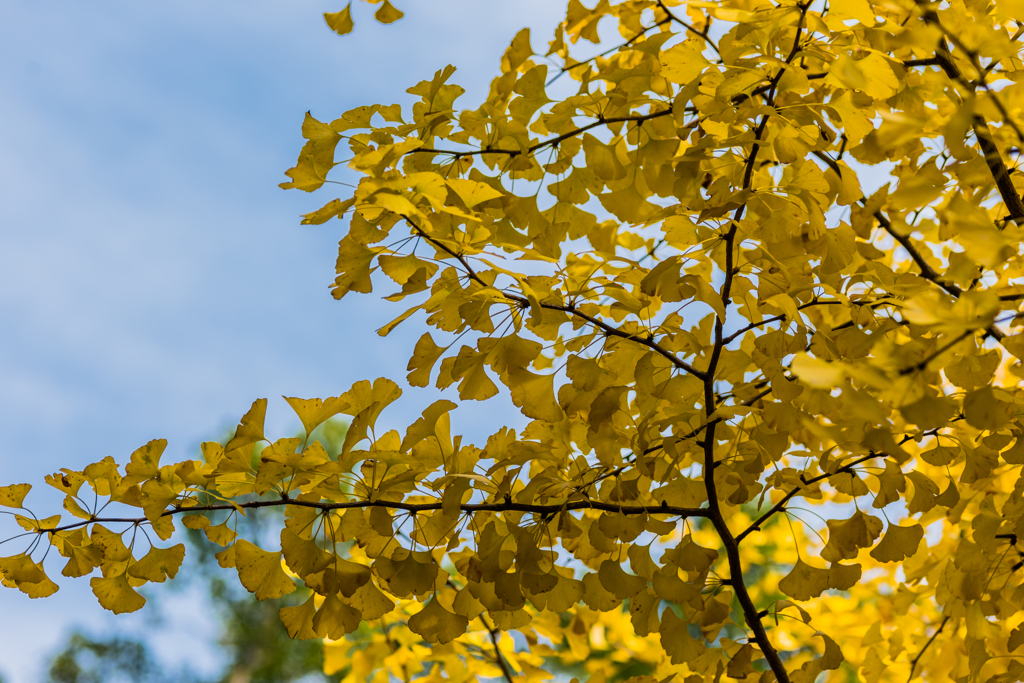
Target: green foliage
(85, 660)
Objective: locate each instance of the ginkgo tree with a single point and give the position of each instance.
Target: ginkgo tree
(774, 424)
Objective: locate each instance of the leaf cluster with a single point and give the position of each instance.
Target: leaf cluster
(775, 423)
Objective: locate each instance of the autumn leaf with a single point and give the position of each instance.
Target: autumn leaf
(653, 246)
(387, 13)
(805, 582)
(145, 462)
(250, 429)
(435, 624)
(260, 571)
(14, 495)
(159, 564)
(898, 543)
(340, 22)
(116, 594)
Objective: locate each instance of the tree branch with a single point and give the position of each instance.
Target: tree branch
(550, 142)
(778, 507)
(996, 166)
(700, 34)
(566, 69)
(750, 611)
(505, 506)
(913, 663)
(927, 272)
(524, 302)
(847, 468)
(923, 363)
(776, 318)
(502, 664)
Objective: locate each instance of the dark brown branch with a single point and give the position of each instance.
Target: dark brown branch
(913, 663)
(776, 318)
(609, 330)
(993, 159)
(927, 272)
(1003, 112)
(566, 69)
(778, 507)
(502, 664)
(923, 363)
(550, 142)
(931, 61)
(504, 506)
(731, 544)
(847, 468)
(736, 100)
(700, 34)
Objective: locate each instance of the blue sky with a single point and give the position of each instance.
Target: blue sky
(153, 278)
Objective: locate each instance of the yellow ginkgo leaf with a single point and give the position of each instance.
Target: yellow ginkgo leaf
(261, 572)
(472, 192)
(340, 22)
(14, 495)
(683, 62)
(618, 582)
(898, 543)
(387, 13)
(846, 537)
(370, 602)
(303, 556)
(818, 373)
(159, 564)
(313, 412)
(805, 582)
(335, 618)
(21, 569)
(116, 594)
(437, 625)
(250, 429)
(82, 559)
(853, 9)
(679, 645)
(833, 656)
(222, 534)
(535, 395)
(145, 462)
(985, 410)
(298, 620)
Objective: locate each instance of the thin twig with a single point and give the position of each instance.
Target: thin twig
(913, 663)
(502, 664)
(524, 302)
(629, 42)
